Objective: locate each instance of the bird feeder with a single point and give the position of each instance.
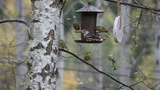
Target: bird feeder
(88, 22)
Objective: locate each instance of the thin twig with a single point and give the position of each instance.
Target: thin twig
(15, 20)
(96, 68)
(134, 31)
(135, 5)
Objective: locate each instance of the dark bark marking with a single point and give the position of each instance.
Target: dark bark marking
(49, 81)
(56, 3)
(43, 74)
(54, 65)
(52, 60)
(35, 75)
(29, 65)
(39, 85)
(39, 46)
(30, 35)
(47, 67)
(49, 48)
(56, 72)
(52, 74)
(55, 51)
(28, 88)
(47, 17)
(49, 45)
(158, 40)
(55, 27)
(54, 82)
(50, 34)
(46, 9)
(53, 71)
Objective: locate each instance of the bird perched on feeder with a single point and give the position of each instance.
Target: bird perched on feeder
(114, 63)
(76, 26)
(85, 32)
(102, 29)
(87, 56)
(62, 44)
(91, 37)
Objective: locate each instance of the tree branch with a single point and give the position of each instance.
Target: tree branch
(135, 5)
(15, 20)
(95, 68)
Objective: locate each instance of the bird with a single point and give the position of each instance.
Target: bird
(114, 63)
(76, 26)
(85, 32)
(87, 57)
(102, 29)
(62, 44)
(91, 37)
(94, 38)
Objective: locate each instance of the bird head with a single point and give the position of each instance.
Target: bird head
(85, 32)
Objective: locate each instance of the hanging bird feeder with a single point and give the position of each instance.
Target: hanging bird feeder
(88, 25)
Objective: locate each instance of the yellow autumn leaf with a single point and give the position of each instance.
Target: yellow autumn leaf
(158, 78)
(15, 14)
(15, 9)
(25, 61)
(137, 38)
(90, 79)
(137, 78)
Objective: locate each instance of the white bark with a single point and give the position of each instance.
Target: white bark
(157, 48)
(43, 53)
(124, 47)
(21, 46)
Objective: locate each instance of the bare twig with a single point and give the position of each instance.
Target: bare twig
(135, 5)
(96, 68)
(134, 31)
(15, 20)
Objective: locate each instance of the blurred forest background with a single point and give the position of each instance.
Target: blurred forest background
(138, 64)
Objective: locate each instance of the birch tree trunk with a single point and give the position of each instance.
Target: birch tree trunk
(124, 46)
(43, 48)
(21, 46)
(157, 48)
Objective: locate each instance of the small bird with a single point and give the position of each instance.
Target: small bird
(85, 32)
(87, 57)
(114, 63)
(102, 29)
(76, 26)
(94, 38)
(62, 44)
(91, 37)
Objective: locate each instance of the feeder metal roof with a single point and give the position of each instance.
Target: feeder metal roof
(89, 8)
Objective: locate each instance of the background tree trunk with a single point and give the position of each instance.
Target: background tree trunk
(21, 45)
(1, 8)
(98, 54)
(157, 48)
(60, 63)
(124, 46)
(43, 48)
(98, 62)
